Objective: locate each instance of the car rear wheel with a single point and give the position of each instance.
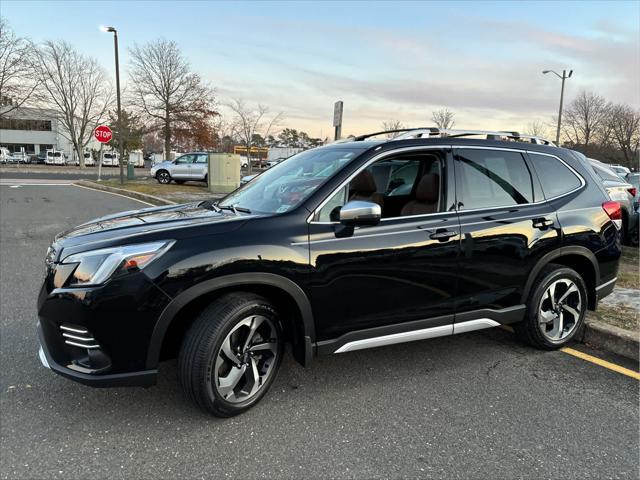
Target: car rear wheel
(163, 177)
(231, 354)
(555, 309)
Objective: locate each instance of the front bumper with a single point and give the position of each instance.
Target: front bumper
(144, 378)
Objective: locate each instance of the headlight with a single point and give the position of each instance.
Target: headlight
(97, 266)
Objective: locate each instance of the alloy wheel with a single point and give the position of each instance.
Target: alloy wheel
(560, 309)
(164, 177)
(246, 359)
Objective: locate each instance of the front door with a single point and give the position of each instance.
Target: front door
(182, 167)
(398, 276)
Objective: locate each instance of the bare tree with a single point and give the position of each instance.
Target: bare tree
(165, 90)
(391, 125)
(537, 128)
(584, 118)
(17, 80)
(625, 128)
(443, 118)
(250, 121)
(76, 87)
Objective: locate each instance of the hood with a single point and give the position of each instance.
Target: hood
(147, 220)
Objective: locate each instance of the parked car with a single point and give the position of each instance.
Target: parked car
(18, 157)
(41, 158)
(192, 166)
(4, 155)
(55, 157)
(88, 160)
(247, 178)
(110, 159)
(621, 191)
(490, 232)
(619, 170)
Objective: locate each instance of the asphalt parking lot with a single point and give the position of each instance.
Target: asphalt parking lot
(477, 405)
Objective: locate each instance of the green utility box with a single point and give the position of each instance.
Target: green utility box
(224, 172)
(130, 171)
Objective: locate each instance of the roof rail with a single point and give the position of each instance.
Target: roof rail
(360, 138)
(434, 132)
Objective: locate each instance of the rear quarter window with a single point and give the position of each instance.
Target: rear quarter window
(556, 178)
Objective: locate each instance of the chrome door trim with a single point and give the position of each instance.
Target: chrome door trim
(472, 325)
(421, 334)
(606, 284)
(402, 337)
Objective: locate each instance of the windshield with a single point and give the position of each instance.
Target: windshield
(285, 185)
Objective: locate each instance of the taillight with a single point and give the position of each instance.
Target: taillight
(614, 211)
(632, 191)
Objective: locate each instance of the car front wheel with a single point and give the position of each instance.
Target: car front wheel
(555, 309)
(230, 356)
(163, 177)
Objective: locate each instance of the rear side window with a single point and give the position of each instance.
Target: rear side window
(492, 178)
(555, 176)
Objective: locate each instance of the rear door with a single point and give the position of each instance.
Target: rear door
(200, 166)
(505, 225)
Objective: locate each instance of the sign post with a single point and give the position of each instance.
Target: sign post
(103, 134)
(337, 119)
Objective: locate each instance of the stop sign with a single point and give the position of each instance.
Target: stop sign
(103, 134)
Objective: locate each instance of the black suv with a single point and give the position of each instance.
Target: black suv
(343, 247)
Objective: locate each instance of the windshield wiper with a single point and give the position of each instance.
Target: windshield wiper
(234, 208)
(209, 205)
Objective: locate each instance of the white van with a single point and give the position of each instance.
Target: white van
(4, 154)
(136, 158)
(110, 159)
(88, 160)
(55, 157)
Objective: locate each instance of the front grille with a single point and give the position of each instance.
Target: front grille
(77, 336)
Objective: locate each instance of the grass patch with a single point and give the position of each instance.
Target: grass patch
(151, 187)
(629, 271)
(618, 315)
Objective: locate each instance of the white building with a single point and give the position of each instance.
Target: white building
(35, 130)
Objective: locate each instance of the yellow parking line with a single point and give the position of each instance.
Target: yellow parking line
(602, 363)
(591, 358)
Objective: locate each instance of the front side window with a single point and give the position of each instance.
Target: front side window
(287, 184)
(184, 159)
(403, 185)
(555, 176)
(492, 178)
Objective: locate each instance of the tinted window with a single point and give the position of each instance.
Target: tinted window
(185, 159)
(492, 178)
(390, 182)
(202, 158)
(554, 175)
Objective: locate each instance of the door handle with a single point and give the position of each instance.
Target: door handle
(542, 223)
(442, 235)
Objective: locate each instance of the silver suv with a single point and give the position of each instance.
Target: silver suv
(190, 166)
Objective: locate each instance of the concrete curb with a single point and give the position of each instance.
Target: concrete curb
(612, 339)
(127, 193)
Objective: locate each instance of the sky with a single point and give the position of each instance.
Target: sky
(385, 60)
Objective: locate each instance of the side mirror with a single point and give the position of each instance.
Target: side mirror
(360, 213)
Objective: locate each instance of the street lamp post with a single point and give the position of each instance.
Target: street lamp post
(562, 77)
(120, 133)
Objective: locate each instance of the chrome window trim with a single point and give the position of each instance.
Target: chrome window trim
(373, 159)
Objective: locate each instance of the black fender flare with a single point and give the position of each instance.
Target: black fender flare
(560, 252)
(238, 279)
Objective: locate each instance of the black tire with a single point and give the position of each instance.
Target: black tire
(163, 177)
(202, 347)
(179, 182)
(530, 329)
